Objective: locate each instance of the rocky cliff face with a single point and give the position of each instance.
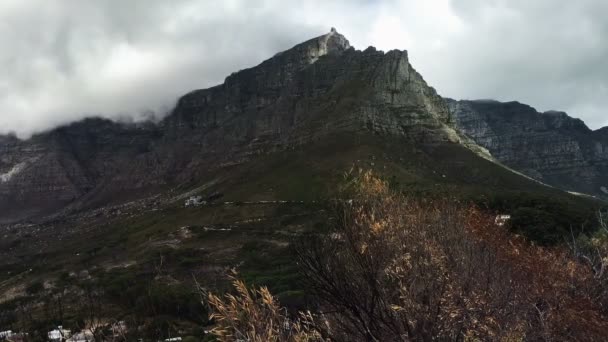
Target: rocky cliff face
(316, 89)
(53, 169)
(551, 147)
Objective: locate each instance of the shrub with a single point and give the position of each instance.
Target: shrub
(397, 268)
(34, 288)
(593, 252)
(174, 300)
(254, 315)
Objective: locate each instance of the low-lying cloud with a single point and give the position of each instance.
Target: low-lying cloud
(66, 60)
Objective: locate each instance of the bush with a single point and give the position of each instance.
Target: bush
(537, 225)
(397, 268)
(593, 252)
(34, 288)
(543, 219)
(254, 315)
(174, 300)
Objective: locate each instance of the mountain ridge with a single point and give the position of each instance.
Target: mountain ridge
(550, 146)
(316, 89)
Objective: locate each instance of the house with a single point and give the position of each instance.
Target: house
(194, 201)
(501, 220)
(59, 334)
(5, 335)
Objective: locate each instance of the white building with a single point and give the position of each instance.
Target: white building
(194, 201)
(6, 334)
(501, 220)
(59, 334)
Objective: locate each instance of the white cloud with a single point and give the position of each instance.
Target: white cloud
(64, 60)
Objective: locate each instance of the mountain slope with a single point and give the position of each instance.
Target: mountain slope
(551, 147)
(51, 170)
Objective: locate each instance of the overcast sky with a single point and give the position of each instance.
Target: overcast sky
(63, 60)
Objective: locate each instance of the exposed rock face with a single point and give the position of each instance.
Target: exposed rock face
(297, 96)
(551, 147)
(317, 88)
(53, 169)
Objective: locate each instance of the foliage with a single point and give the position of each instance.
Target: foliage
(593, 252)
(254, 315)
(34, 288)
(397, 268)
(270, 265)
(544, 219)
(175, 300)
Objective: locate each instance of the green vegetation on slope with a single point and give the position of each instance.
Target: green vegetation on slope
(156, 255)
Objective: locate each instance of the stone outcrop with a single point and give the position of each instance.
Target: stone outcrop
(551, 147)
(318, 87)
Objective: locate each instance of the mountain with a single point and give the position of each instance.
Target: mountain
(551, 147)
(321, 95)
(317, 89)
(93, 213)
(51, 170)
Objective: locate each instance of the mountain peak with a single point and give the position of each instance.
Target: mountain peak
(310, 51)
(333, 42)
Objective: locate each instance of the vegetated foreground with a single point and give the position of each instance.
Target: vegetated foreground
(137, 263)
(375, 265)
(395, 268)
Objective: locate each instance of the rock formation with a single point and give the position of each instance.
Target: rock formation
(551, 146)
(317, 88)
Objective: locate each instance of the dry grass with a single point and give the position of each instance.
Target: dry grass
(254, 315)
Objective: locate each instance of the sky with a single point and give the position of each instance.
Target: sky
(130, 60)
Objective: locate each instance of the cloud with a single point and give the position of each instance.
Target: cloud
(550, 54)
(126, 59)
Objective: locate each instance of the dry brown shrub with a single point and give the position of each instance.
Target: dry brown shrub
(593, 252)
(253, 315)
(398, 268)
(395, 268)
